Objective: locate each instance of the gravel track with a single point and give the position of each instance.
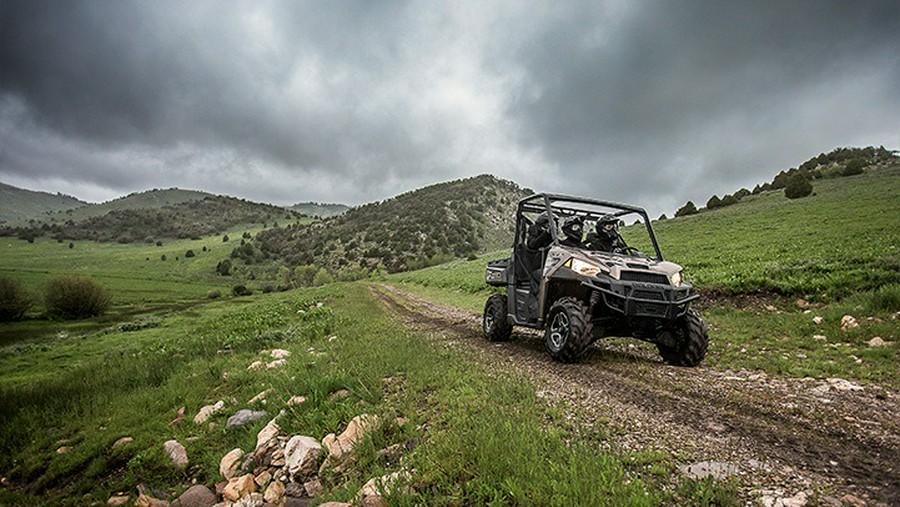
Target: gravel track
(784, 435)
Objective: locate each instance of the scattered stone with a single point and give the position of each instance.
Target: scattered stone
(778, 499)
(206, 412)
(313, 488)
(296, 400)
(279, 353)
(274, 493)
(179, 418)
(197, 496)
(244, 416)
(840, 384)
(145, 500)
(251, 500)
(391, 453)
(820, 338)
(339, 395)
(230, 463)
(706, 469)
(373, 492)
(771, 308)
(118, 500)
(255, 365)
(263, 479)
(854, 501)
(302, 455)
(239, 487)
(848, 322)
(261, 396)
(818, 320)
(177, 453)
(268, 436)
(802, 304)
(64, 449)
(122, 441)
(335, 504)
(356, 430)
(276, 364)
(877, 342)
(400, 421)
(332, 338)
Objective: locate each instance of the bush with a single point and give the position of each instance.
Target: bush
(213, 294)
(688, 209)
(224, 267)
(713, 202)
(268, 289)
(797, 186)
(188, 254)
(854, 167)
(241, 290)
(76, 297)
(14, 301)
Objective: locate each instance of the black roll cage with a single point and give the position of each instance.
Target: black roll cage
(561, 205)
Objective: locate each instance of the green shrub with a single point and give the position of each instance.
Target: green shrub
(189, 254)
(688, 209)
(14, 300)
(213, 294)
(797, 186)
(76, 297)
(886, 298)
(224, 267)
(854, 166)
(241, 290)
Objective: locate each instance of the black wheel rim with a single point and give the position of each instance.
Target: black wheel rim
(559, 330)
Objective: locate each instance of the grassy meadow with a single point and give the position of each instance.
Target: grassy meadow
(476, 437)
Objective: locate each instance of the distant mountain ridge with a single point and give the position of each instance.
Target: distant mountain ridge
(20, 205)
(321, 210)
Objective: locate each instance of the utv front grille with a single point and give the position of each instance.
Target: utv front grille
(637, 276)
(643, 294)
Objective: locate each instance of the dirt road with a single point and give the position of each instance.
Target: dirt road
(832, 441)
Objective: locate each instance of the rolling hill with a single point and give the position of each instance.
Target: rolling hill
(18, 205)
(422, 227)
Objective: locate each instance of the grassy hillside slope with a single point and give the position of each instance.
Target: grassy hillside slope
(18, 205)
(418, 228)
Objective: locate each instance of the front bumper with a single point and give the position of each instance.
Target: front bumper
(635, 299)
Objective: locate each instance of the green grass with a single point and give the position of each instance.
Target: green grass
(481, 438)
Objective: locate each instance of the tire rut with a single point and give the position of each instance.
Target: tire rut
(779, 432)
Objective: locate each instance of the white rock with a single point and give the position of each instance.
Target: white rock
(206, 412)
(706, 469)
(230, 463)
(301, 455)
(848, 322)
(276, 364)
(255, 365)
(843, 385)
(280, 353)
(123, 441)
(296, 400)
(877, 342)
(818, 320)
(274, 492)
(177, 453)
(384, 485)
(820, 337)
(118, 500)
(356, 430)
(268, 436)
(261, 396)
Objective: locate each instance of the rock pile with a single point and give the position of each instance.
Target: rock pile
(286, 470)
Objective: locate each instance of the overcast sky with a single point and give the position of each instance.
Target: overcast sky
(649, 102)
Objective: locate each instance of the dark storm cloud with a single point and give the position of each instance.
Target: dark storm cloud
(655, 102)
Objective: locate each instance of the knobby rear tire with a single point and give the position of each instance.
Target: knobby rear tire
(494, 323)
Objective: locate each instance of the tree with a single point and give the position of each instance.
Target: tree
(854, 167)
(798, 186)
(688, 209)
(14, 300)
(713, 202)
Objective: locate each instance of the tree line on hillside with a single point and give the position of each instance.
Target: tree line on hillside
(423, 227)
(193, 219)
(797, 182)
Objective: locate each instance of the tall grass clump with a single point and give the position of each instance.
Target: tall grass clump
(14, 300)
(76, 297)
(887, 298)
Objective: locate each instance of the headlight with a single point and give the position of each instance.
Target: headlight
(584, 268)
(676, 279)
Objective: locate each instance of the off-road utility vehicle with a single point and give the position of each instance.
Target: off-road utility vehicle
(578, 294)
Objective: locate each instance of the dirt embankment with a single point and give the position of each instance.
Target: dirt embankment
(788, 435)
